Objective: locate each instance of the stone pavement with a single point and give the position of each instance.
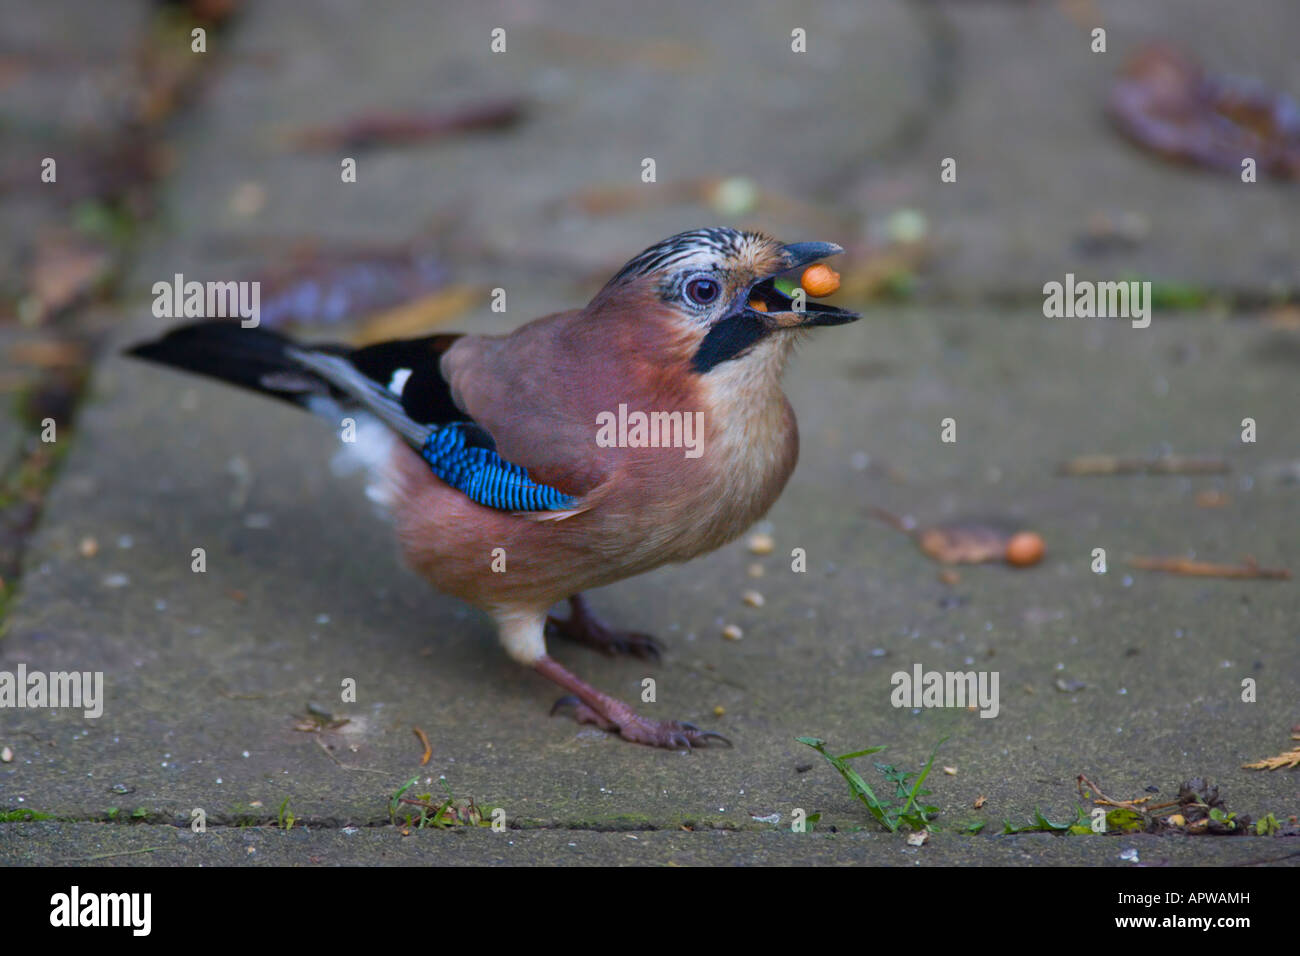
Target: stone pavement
(209, 677)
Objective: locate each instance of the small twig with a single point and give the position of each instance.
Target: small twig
(428, 747)
(1248, 569)
(1158, 807)
(1101, 799)
(233, 696)
(906, 525)
(423, 803)
(1137, 806)
(1271, 859)
(1089, 465)
(389, 129)
(341, 764)
(106, 856)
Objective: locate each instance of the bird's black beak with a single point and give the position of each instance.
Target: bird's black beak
(776, 310)
(800, 254)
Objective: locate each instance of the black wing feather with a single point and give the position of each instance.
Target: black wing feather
(258, 359)
(426, 396)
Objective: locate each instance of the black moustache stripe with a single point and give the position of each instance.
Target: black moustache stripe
(728, 339)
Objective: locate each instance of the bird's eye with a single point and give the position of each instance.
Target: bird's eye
(703, 291)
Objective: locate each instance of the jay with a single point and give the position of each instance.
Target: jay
(491, 446)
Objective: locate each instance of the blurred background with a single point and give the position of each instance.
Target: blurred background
(529, 160)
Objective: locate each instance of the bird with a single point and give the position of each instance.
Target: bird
(583, 448)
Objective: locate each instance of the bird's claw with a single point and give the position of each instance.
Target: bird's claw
(703, 734)
(669, 733)
(568, 700)
(673, 734)
(639, 645)
(592, 633)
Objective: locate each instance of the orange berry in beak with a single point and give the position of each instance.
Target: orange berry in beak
(819, 280)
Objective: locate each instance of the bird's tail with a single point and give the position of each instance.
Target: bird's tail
(252, 358)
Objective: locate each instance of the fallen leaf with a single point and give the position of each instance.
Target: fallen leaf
(48, 353)
(398, 129)
(1166, 103)
(416, 318)
(328, 286)
(65, 268)
(1289, 759)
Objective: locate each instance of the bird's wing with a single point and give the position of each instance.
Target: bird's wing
(408, 370)
(540, 390)
(403, 384)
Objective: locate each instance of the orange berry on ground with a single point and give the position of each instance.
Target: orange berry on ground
(1025, 548)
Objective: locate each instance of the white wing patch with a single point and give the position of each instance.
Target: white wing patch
(398, 381)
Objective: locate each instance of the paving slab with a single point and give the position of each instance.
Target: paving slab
(208, 673)
(704, 96)
(1022, 109)
(105, 845)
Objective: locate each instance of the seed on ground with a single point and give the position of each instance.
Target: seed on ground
(761, 543)
(1025, 548)
(753, 599)
(732, 633)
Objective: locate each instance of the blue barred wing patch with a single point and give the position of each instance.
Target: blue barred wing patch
(484, 476)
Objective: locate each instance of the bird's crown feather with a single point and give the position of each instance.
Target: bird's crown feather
(700, 247)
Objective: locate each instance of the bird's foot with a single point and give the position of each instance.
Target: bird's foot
(612, 715)
(582, 626)
(621, 719)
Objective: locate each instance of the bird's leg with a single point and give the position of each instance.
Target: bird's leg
(610, 714)
(582, 626)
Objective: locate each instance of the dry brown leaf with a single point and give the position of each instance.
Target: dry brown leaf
(65, 268)
(1165, 102)
(419, 316)
(48, 353)
(1283, 317)
(1290, 759)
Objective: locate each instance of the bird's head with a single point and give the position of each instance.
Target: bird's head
(717, 288)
